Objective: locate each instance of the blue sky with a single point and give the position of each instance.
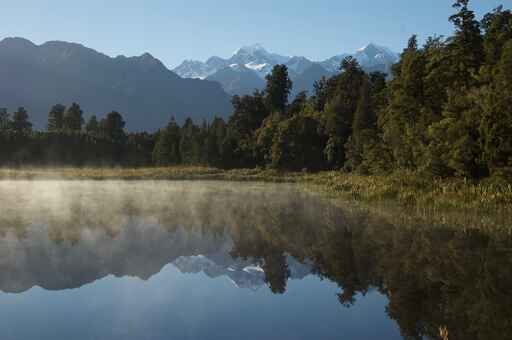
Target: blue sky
(173, 30)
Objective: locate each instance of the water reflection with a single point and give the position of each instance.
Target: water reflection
(437, 281)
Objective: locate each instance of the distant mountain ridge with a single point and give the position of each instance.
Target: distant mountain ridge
(141, 87)
(371, 57)
(139, 251)
(254, 57)
(237, 79)
(246, 274)
(303, 71)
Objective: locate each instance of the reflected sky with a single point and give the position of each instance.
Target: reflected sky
(173, 305)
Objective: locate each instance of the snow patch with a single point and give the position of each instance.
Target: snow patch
(256, 67)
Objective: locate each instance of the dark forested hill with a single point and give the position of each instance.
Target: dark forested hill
(142, 88)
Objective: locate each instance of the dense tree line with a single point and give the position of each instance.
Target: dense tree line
(68, 142)
(445, 111)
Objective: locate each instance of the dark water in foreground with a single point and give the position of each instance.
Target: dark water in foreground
(203, 260)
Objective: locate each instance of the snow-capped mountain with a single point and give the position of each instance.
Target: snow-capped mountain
(333, 64)
(257, 59)
(371, 57)
(192, 69)
(141, 249)
(253, 57)
(246, 274)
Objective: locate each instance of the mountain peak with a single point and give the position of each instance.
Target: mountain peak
(250, 49)
(373, 50)
(17, 42)
(368, 46)
(146, 55)
(148, 60)
(258, 60)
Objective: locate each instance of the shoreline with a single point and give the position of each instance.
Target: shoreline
(403, 189)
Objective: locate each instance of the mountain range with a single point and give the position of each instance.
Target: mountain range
(246, 69)
(141, 88)
(247, 274)
(140, 251)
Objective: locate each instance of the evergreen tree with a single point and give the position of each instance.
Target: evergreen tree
(73, 118)
(297, 144)
(56, 118)
(299, 103)
(466, 46)
(455, 145)
(214, 139)
(93, 126)
(20, 122)
(496, 124)
(248, 113)
(320, 94)
(400, 120)
(340, 108)
(228, 151)
(5, 120)
(364, 117)
(167, 147)
(276, 271)
(278, 89)
(436, 78)
(363, 128)
(265, 138)
(202, 138)
(190, 146)
(112, 126)
(497, 27)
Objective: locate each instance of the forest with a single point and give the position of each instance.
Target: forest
(445, 111)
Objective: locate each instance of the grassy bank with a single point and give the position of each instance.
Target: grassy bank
(408, 200)
(411, 190)
(403, 189)
(153, 173)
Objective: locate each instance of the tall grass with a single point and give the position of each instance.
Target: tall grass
(409, 189)
(401, 188)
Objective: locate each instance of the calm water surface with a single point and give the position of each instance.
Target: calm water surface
(215, 260)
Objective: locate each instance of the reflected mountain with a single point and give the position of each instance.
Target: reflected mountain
(139, 250)
(438, 280)
(243, 273)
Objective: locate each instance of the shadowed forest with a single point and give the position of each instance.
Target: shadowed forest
(444, 111)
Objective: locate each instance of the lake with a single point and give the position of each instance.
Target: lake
(217, 260)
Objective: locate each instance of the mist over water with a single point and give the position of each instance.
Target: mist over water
(110, 204)
(219, 260)
(59, 230)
